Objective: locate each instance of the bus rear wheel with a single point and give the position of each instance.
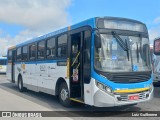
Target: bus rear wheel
(20, 84)
(64, 95)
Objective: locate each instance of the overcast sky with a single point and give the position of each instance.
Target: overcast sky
(21, 20)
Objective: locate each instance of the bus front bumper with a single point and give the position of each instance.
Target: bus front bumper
(102, 99)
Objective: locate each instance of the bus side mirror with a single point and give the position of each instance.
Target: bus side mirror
(97, 41)
(156, 47)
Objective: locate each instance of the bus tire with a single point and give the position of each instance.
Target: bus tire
(64, 95)
(20, 84)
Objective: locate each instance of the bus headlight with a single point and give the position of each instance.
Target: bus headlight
(103, 87)
(100, 86)
(108, 89)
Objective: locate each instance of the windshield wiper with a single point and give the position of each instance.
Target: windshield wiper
(137, 53)
(124, 45)
(127, 49)
(120, 41)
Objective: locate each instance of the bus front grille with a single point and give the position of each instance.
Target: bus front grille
(128, 77)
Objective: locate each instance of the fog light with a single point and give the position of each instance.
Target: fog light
(147, 95)
(119, 98)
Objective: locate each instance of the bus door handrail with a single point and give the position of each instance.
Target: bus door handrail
(75, 59)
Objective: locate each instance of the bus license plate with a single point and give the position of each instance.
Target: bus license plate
(133, 97)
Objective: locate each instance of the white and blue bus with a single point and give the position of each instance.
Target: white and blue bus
(100, 62)
(3, 65)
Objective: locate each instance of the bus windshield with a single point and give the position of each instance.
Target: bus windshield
(111, 57)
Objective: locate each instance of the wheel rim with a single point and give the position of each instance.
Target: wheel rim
(20, 85)
(64, 94)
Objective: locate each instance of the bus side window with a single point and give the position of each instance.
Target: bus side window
(51, 53)
(25, 53)
(87, 57)
(19, 54)
(41, 50)
(62, 46)
(32, 52)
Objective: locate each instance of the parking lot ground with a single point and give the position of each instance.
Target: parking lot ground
(13, 100)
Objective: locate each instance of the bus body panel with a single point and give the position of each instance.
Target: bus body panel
(102, 99)
(99, 98)
(41, 76)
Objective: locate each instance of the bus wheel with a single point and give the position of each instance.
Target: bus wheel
(20, 84)
(64, 95)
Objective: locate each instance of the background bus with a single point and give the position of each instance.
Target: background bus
(3, 64)
(152, 54)
(100, 62)
(156, 60)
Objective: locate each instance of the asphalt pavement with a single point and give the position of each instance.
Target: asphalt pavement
(13, 100)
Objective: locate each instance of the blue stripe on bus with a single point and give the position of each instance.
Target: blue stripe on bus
(40, 62)
(113, 85)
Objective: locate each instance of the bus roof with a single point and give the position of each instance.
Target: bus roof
(89, 22)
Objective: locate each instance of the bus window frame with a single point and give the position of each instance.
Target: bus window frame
(35, 43)
(82, 29)
(59, 57)
(27, 53)
(19, 60)
(37, 49)
(55, 40)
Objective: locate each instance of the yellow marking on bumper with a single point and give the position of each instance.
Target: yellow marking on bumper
(131, 90)
(73, 99)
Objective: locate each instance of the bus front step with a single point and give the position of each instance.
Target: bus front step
(77, 100)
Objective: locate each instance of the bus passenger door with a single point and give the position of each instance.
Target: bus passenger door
(76, 66)
(13, 66)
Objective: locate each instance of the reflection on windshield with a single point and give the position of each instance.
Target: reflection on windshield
(112, 58)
